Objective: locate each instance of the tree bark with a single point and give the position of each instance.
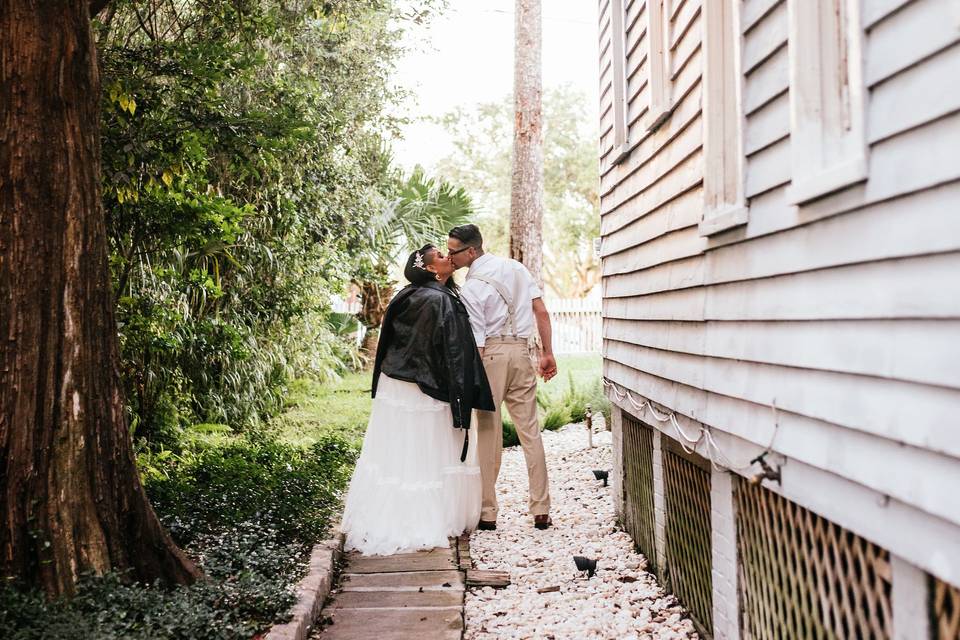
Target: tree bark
(71, 501)
(526, 198)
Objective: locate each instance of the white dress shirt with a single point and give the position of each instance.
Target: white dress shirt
(488, 311)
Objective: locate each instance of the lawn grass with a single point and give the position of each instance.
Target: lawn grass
(314, 409)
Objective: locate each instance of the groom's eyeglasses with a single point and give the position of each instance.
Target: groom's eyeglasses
(453, 252)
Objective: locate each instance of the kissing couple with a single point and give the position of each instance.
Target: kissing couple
(448, 357)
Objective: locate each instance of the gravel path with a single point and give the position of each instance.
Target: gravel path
(621, 601)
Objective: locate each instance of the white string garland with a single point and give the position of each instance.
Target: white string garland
(713, 450)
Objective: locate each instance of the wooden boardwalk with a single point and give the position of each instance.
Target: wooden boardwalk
(399, 597)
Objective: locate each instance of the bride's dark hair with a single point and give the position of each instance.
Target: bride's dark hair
(416, 268)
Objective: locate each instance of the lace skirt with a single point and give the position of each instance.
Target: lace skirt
(409, 490)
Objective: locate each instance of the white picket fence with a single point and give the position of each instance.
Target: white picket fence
(576, 323)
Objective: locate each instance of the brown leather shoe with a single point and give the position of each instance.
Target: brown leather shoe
(542, 521)
(487, 525)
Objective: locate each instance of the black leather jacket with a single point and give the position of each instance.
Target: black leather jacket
(426, 339)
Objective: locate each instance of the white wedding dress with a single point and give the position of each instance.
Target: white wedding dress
(409, 489)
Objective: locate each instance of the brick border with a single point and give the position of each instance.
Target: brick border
(313, 591)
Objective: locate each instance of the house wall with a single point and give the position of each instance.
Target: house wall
(837, 319)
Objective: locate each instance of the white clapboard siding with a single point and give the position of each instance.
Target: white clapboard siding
(931, 25)
(767, 125)
(765, 37)
(927, 223)
(645, 146)
(677, 214)
(752, 11)
(921, 351)
(845, 310)
(918, 95)
(687, 142)
(767, 81)
(932, 149)
(674, 245)
(921, 287)
(923, 475)
(671, 276)
(768, 168)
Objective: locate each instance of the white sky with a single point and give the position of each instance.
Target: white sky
(465, 57)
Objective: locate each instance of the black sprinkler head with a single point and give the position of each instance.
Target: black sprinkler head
(585, 564)
(601, 474)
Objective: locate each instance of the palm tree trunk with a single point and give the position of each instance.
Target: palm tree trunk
(526, 199)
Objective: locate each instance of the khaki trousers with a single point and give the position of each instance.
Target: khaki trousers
(510, 368)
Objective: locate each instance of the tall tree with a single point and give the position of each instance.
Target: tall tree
(70, 497)
(526, 201)
(480, 161)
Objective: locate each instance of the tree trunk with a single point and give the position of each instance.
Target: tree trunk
(526, 198)
(70, 498)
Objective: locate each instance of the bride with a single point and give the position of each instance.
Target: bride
(417, 481)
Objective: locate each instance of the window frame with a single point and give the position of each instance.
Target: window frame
(724, 160)
(828, 142)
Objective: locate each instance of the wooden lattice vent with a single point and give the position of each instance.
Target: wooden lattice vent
(638, 487)
(802, 576)
(945, 610)
(686, 480)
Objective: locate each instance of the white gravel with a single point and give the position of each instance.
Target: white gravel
(621, 601)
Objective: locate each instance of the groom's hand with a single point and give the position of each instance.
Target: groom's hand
(548, 366)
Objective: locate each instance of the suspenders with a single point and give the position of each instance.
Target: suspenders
(511, 310)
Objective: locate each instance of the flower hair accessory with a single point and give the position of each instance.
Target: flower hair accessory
(418, 261)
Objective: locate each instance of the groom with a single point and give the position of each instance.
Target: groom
(504, 302)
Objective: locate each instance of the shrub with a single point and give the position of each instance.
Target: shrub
(510, 437)
(249, 587)
(283, 488)
(557, 416)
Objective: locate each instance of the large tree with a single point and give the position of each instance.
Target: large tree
(70, 497)
(526, 203)
(480, 162)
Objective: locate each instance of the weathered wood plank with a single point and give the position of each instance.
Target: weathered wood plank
(387, 624)
(396, 599)
(924, 287)
(488, 578)
(434, 559)
(402, 581)
(915, 96)
(685, 49)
